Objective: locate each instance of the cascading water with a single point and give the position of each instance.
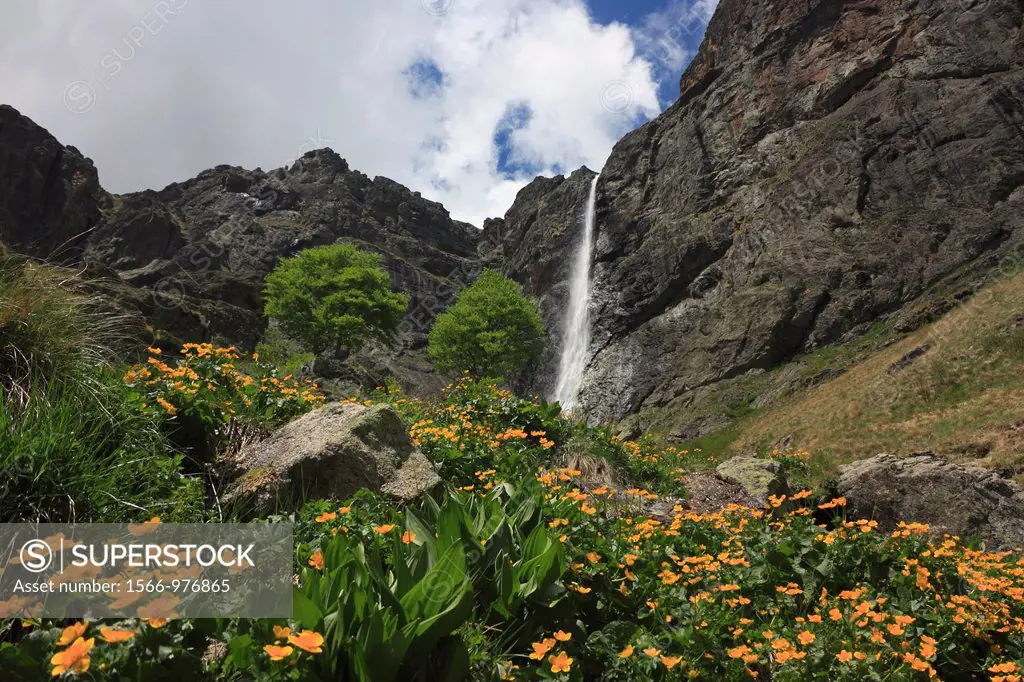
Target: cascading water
(576, 332)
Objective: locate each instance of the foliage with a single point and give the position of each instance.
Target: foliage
(526, 570)
(205, 390)
(492, 330)
(277, 350)
(479, 426)
(334, 297)
(73, 444)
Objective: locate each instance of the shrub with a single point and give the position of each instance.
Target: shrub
(334, 297)
(204, 391)
(493, 330)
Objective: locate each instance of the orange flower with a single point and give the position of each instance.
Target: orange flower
(74, 659)
(408, 536)
(308, 641)
(344, 510)
(278, 653)
(171, 410)
(671, 661)
(281, 632)
(1008, 667)
(627, 652)
(326, 516)
(71, 633)
(805, 637)
(738, 652)
(652, 652)
(844, 656)
(317, 560)
(114, 636)
(386, 528)
(563, 636)
(540, 649)
(560, 663)
(156, 623)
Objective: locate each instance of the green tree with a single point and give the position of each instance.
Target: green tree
(334, 297)
(492, 330)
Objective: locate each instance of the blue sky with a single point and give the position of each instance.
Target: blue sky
(465, 101)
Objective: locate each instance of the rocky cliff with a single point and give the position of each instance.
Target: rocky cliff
(196, 252)
(829, 163)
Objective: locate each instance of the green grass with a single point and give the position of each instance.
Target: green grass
(961, 397)
(84, 452)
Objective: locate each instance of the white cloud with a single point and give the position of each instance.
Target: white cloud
(177, 86)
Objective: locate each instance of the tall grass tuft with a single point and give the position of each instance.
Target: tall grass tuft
(50, 327)
(74, 442)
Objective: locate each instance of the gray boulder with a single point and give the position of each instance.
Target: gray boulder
(329, 453)
(965, 500)
(758, 477)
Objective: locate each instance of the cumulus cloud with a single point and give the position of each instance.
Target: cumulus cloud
(463, 100)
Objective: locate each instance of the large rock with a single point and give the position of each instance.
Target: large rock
(759, 478)
(964, 500)
(330, 453)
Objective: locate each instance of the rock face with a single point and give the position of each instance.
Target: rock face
(826, 163)
(50, 195)
(329, 453)
(967, 501)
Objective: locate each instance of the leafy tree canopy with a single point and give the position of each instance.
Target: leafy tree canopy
(492, 330)
(334, 297)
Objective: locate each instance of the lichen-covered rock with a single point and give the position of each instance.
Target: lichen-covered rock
(759, 478)
(329, 453)
(964, 500)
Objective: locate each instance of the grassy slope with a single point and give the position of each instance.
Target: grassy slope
(964, 397)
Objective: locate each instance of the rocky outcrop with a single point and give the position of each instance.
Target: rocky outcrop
(194, 254)
(50, 196)
(826, 163)
(964, 500)
(329, 453)
(212, 239)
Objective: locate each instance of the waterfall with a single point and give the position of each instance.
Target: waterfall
(576, 331)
